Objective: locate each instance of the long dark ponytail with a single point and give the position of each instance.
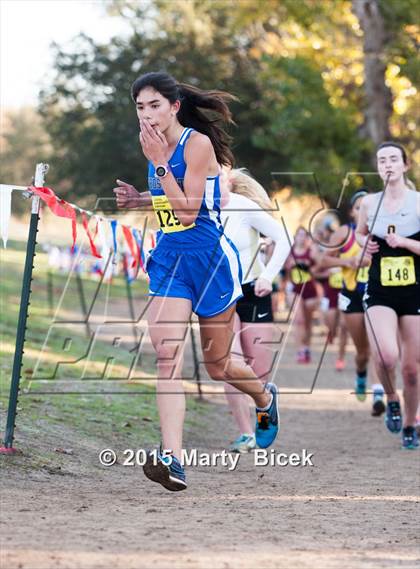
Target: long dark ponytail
(201, 110)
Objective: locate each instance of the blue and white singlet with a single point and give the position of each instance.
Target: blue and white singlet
(196, 262)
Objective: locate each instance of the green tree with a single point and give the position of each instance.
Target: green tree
(23, 143)
(296, 67)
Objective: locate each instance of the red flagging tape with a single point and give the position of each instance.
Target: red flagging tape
(59, 207)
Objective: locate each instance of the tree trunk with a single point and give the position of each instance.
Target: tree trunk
(378, 96)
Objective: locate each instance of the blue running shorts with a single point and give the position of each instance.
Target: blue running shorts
(210, 277)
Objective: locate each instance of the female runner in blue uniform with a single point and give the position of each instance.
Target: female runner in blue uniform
(388, 229)
(193, 267)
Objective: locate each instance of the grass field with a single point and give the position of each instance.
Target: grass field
(130, 414)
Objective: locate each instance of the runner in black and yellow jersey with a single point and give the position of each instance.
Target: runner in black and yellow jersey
(348, 256)
(330, 280)
(389, 230)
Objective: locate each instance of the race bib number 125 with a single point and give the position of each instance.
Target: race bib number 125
(168, 221)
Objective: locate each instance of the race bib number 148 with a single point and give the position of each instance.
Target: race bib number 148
(397, 271)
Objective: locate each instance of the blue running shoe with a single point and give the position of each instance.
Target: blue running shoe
(243, 444)
(165, 470)
(360, 387)
(393, 419)
(268, 422)
(410, 439)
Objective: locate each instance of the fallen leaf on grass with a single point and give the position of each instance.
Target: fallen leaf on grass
(64, 450)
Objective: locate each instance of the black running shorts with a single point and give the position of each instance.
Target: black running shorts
(251, 308)
(403, 303)
(350, 301)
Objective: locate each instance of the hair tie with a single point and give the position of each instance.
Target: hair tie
(357, 195)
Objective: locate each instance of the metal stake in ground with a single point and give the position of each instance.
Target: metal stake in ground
(41, 170)
(82, 299)
(50, 292)
(130, 298)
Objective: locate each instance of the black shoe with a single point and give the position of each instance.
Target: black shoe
(165, 470)
(378, 408)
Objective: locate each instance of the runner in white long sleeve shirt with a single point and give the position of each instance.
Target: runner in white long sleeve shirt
(245, 220)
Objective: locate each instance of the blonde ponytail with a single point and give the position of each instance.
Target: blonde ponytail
(244, 184)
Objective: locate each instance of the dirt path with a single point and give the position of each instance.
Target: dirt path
(357, 507)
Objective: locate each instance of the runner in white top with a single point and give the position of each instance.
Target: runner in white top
(245, 215)
(388, 229)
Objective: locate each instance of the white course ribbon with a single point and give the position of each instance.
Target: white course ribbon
(105, 240)
(5, 212)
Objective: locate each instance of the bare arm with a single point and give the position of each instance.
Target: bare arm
(129, 198)
(362, 232)
(329, 258)
(289, 263)
(412, 245)
(198, 154)
(362, 226)
(186, 204)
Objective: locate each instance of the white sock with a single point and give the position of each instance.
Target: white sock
(268, 406)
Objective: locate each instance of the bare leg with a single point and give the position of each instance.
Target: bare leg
(275, 301)
(216, 341)
(254, 339)
(168, 321)
(410, 350)
(299, 324)
(331, 322)
(238, 401)
(382, 329)
(342, 337)
(356, 326)
(310, 306)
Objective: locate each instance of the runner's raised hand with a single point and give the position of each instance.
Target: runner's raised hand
(128, 197)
